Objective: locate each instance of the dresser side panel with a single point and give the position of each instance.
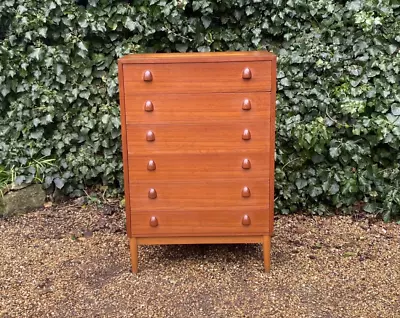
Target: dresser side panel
(124, 147)
(272, 143)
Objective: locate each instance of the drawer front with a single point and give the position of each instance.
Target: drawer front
(196, 108)
(200, 222)
(197, 77)
(186, 196)
(198, 138)
(183, 167)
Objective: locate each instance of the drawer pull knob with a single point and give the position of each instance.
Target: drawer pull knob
(246, 104)
(150, 136)
(246, 73)
(147, 77)
(153, 221)
(152, 194)
(246, 164)
(246, 220)
(148, 106)
(246, 135)
(246, 192)
(151, 165)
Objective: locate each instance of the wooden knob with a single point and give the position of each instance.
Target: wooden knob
(246, 104)
(246, 164)
(150, 136)
(246, 134)
(153, 221)
(148, 106)
(152, 194)
(151, 165)
(147, 77)
(246, 220)
(246, 73)
(246, 192)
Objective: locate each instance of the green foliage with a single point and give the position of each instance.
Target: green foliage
(338, 127)
(34, 171)
(6, 178)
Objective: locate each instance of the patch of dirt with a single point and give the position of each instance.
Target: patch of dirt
(70, 261)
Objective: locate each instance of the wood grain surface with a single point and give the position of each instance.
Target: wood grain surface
(197, 78)
(189, 195)
(200, 222)
(199, 138)
(178, 166)
(197, 108)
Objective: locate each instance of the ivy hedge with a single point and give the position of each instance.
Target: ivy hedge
(338, 127)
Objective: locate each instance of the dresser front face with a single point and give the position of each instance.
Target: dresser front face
(198, 143)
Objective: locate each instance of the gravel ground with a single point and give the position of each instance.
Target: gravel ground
(73, 261)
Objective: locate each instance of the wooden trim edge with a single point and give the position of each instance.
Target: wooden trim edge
(200, 240)
(124, 146)
(273, 137)
(198, 57)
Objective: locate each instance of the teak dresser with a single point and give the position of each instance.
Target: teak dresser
(198, 133)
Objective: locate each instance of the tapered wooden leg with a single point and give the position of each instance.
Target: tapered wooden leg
(267, 253)
(134, 254)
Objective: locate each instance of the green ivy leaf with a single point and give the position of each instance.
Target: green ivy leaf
(105, 118)
(316, 191)
(36, 53)
(59, 183)
(285, 82)
(395, 109)
(46, 152)
(82, 46)
(301, 183)
(181, 47)
(370, 208)
(334, 152)
(130, 24)
(334, 189)
(206, 21)
(250, 10)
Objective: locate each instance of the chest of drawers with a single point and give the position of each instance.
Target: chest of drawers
(198, 136)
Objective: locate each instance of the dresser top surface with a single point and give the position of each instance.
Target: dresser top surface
(198, 57)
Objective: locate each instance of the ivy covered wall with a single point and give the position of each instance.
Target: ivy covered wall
(338, 126)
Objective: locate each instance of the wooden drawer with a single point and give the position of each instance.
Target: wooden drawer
(197, 77)
(178, 167)
(198, 138)
(197, 108)
(185, 196)
(199, 222)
